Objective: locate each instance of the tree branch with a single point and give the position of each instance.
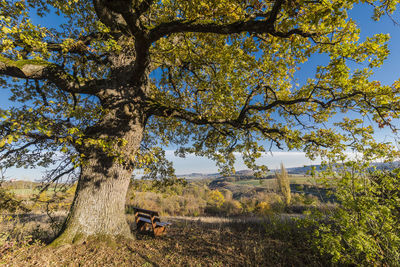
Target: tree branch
(249, 25)
(110, 18)
(161, 110)
(276, 8)
(252, 26)
(43, 70)
(11, 151)
(143, 7)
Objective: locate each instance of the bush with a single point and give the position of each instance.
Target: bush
(231, 207)
(10, 203)
(216, 198)
(365, 228)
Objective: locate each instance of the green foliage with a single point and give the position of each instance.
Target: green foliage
(365, 228)
(207, 101)
(117, 81)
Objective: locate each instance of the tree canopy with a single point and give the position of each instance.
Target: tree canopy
(115, 82)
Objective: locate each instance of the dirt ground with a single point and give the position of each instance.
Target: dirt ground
(188, 242)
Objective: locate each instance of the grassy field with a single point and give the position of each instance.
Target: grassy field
(271, 182)
(249, 182)
(27, 193)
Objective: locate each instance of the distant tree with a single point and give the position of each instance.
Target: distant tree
(283, 182)
(103, 90)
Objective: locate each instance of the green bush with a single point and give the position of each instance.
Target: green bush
(365, 228)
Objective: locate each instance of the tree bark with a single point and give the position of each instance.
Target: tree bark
(98, 209)
(99, 205)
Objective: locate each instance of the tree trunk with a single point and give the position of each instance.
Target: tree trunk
(98, 209)
(99, 205)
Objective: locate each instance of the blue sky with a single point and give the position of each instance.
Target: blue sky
(387, 74)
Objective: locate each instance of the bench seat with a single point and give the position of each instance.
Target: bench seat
(144, 220)
(163, 223)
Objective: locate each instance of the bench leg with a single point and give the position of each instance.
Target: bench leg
(142, 226)
(159, 231)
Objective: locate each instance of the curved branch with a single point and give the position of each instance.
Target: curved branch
(14, 150)
(43, 70)
(251, 25)
(240, 122)
(110, 18)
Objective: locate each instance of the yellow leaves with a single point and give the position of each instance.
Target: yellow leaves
(215, 197)
(144, 160)
(101, 27)
(6, 30)
(396, 85)
(206, 10)
(7, 140)
(264, 208)
(3, 115)
(73, 130)
(67, 44)
(10, 139)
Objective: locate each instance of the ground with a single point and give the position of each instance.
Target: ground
(189, 242)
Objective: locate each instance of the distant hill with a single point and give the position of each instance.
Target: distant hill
(241, 173)
(303, 170)
(307, 169)
(294, 170)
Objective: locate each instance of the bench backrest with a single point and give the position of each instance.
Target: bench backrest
(149, 212)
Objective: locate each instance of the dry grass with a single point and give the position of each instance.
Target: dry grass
(189, 242)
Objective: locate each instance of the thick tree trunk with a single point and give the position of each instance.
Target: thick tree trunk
(98, 209)
(99, 205)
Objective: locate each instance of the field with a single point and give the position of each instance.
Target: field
(294, 179)
(27, 192)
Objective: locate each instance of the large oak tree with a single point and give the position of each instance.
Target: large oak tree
(104, 85)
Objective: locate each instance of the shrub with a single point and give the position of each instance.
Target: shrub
(264, 208)
(365, 228)
(231, 207)
(9, 202)
(216, 198)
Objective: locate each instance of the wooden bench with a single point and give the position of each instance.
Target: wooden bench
(149, 221)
